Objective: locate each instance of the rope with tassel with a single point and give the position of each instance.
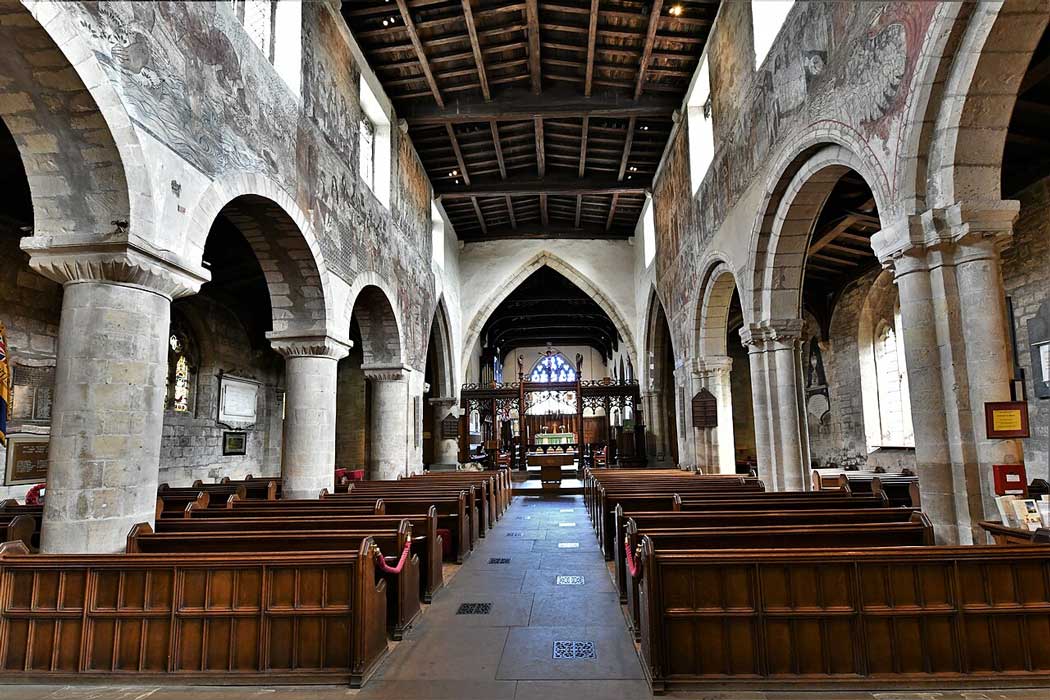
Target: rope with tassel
(633, 567)
(381, 560)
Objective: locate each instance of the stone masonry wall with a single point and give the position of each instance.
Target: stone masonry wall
(1026, 276)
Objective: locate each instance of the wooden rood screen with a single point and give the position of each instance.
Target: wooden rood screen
(214, 618)
(883, 616)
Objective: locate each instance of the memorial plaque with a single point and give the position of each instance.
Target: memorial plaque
(237, 401)
(27, 459)
(450, 428)
(705, 410)
(1006, 419)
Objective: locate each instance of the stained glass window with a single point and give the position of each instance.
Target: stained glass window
(553, 368)
(182, 369)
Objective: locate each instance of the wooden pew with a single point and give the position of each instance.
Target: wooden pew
(504, 483)
(210, 619)
(424, 526)
(217, 493)
(479, 496)
(900, 490)
(909, 617)
(1004, 534)
(177, 504)
(11, 508)
(452, 512)
(19, 528)
(646, 520)
(402, 589)
(255, 488)
(916, 531)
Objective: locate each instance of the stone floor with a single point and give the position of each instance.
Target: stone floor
(507, 654)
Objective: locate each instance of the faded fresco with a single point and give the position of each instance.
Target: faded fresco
(850, 63)
(190, 76)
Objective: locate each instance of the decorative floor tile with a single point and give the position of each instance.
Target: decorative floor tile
(568, 545)
(569, 580)
(572, 649)
(499, 560)
(474, 609)
(566, 524)
(513, 534)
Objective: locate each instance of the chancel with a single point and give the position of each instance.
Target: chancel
(560, 349)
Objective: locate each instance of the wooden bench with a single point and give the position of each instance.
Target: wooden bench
(16, 527)
(1004, 534)
(916, 531)
(255, 488)
(479, 498)
(217, 493)
(403, 589)
(908, 617)
(646, 520)
(425, 527)
(452, 512)
(211, 619)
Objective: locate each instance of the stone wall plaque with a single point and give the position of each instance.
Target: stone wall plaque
(450, 428)
(238, 398)
(27, 459)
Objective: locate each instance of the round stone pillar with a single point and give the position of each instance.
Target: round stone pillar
(110, 386)
(792, 432)
(388, 421)
(311, 364)
(755, 342)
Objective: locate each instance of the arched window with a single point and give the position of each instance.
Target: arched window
(884, 374)
(182, 368)
(552, 368)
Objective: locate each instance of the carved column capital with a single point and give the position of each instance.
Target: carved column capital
(774, 334)
(711, 366)
(300, 345)
(127, 263)
(386, 373)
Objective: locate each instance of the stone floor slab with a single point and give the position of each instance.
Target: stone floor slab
(529, 651)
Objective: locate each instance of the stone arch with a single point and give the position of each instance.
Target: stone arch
(659, 380)
(285, 243)
(552, 261)
(786, 234)
(712, 309)
(382, 342)
(969, 126)
(823, 136)
(77, 144)
(445, 371)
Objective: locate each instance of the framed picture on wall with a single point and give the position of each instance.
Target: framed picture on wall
(1006, 419)
(234, 443)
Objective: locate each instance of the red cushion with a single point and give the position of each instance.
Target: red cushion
(446, 542)
(356, 475)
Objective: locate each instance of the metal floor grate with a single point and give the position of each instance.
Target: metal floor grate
(513, 534)
(499, 560)
(569, 580)
(572, 649)
(474, 609)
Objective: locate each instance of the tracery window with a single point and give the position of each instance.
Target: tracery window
(553, 368)
(182, 368)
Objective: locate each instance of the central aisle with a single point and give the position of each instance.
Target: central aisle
(508, 652)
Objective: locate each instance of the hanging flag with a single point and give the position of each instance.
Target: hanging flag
(5, 385)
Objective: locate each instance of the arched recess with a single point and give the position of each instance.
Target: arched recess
(834, 142)
(77, 144)
(444, 360)
(723, 370)
(787, 235)
(286, 245)
(995, 49)
(662, 407)
(473, 329)
(381, 341)
(439, 402)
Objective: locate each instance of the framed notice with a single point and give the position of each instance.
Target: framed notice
(234, 443)
(27, 458)
(238, 399)
(1006, 419)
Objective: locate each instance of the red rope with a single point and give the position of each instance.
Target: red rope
(381, 560)
(633, 567)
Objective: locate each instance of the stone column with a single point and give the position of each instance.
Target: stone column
(754, 340)
(718, 383)
(953, 314)
(446, 452)
(688, 458)
(311, 364)
(388, 421)
(110, 386)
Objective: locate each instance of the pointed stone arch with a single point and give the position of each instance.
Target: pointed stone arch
(548, 259)
(444, 352)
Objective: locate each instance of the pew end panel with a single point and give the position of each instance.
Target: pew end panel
(137, 530)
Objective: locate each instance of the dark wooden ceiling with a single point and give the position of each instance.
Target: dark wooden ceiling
(536, 119)
(548, 308)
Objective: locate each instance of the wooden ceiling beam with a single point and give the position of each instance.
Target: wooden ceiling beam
(510, 211)
(544, 214)
(556, 230)
(592, 38)
(410, 27)
(459, 154)
(521, 105)
(647, 47)
(627, 148)
(498, 147)
(541, 155)
(825, 238)
(583, 146)
(479, 59)
(612, 212)
(532, 21)
(481, 218)
(554, 184)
